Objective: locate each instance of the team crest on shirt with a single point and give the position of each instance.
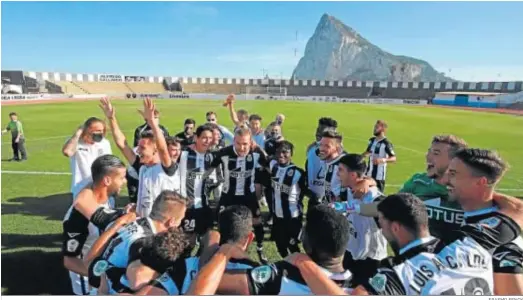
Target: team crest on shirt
(164, 278)
(290, 172)
(378, 282)
(100, 267)
(72, 245)
(261, 274)
(330, 168)
(492, 222)
(207, 158)
(507, 263)
(249, 158)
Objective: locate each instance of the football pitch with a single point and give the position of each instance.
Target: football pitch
(35, 192)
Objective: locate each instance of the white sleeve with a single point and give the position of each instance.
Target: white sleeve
(107, 147)
(227, 134)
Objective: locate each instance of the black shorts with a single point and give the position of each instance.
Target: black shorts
(249, 201)
(362, 270)
(380, 184)
(197, 220)
(286, 229)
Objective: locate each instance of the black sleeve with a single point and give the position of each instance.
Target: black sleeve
(389, 149)
(263, 161)
(135, 250)
(369, 145)
(508, 259)
(103, 216)
(136, 136)
(264, 280)
(170, 170)
(165, 132)
(217, 157)
(73, 238)
(492, 232)
(302, 184)
(385, 283)
(137, 164)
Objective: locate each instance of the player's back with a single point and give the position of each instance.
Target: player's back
(178, 279)
(283, 278)
(126, 243)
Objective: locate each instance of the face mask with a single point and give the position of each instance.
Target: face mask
(275, 135)
(97, 137)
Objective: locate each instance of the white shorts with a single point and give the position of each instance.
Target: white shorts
(80, 284)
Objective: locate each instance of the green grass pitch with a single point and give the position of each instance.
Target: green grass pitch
(33, 205)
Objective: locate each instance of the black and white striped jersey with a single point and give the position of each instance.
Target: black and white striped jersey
(331, 181)
(123, 248)
(378, 149)
(315, 170)
(367, 240)
(460, 264)
(191, 168)
(79, 234)
(238, 171)
(177, 280)
(152, 181)
(288, 187)
(507, 258)
(283, 278)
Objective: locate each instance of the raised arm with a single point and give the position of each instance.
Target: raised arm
(161, 145)
(510, 206)
(232, 111)
(118, 136)
(69, 148)
(101, 243)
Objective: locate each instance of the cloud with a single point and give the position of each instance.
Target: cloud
(186, 9)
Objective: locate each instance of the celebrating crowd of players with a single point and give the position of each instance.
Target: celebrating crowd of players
(450, 231)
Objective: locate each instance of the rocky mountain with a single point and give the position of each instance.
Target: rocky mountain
(337, 52)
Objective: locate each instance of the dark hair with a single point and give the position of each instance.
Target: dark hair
(90, 122)
(483, 163)
(172, 141)
(328, 122)
(242, 112)
(235, 224)
(164, 249)
(332, 134)
(285, 144)
(327, 231)
(255, 117)
(148, 134)
(203, 128)
(161, 204)
(406, 209)
(455, 143)
(189, 121)
(104, 165)
(210, 113)
(355, 163)
(12, 114)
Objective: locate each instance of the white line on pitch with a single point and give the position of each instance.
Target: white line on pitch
(67, 173)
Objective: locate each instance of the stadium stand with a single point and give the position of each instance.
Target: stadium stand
(145, 87)
(117, 88)
(69, 87)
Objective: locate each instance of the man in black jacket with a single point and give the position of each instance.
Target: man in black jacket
(186, 137)
(145, 127)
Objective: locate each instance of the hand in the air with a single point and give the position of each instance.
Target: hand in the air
(107, 107)
(148, 110)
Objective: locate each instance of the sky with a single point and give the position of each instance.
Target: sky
(471, 41)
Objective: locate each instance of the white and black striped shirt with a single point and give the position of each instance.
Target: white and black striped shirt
(238, 171)
(331, 181)
(191, 168)
(288, 186)
(378, 149)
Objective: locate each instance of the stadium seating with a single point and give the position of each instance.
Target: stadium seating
(69, 87)
(145, 87)
(213, 88)
(109, 88)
